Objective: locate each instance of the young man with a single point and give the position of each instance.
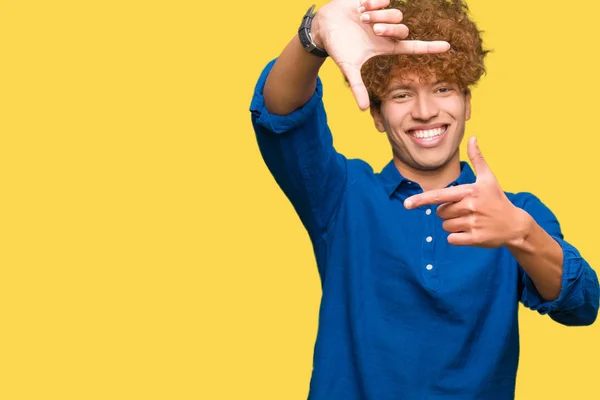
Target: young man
(422, 265)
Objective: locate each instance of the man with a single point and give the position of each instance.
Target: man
(422, 265)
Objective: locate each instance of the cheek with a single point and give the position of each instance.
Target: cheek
(457, 111)
(393, 118)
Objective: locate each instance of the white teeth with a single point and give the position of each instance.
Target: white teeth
(429, 134)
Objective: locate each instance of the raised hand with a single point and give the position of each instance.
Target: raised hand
(352, 33)
(476, 214)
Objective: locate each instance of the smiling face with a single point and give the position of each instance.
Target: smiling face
(424, 121)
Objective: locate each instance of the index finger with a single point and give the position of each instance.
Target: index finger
(452, 194)
(420, 47)
(356, 85)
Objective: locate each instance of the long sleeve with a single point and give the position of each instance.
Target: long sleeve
(298, 150)
(578, 301)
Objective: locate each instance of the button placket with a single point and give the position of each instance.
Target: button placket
(429, 270)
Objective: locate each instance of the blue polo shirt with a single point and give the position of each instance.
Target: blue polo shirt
(404, 314)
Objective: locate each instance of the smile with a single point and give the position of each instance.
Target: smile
(428, 137)
(429, 134)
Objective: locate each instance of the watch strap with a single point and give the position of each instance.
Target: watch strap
(305, 36)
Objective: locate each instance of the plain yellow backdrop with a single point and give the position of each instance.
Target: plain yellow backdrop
(146, 252)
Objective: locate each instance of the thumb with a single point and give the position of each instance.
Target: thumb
(481, 168)
(356, 85)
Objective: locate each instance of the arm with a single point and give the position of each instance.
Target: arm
(298, 150)
(287, 109)
(556, 279)
(540, 256)
(293, 79)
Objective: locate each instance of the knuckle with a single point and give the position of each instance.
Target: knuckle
(473, 221)
(471, 206)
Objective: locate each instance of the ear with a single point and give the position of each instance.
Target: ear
(377, 119)
(467, 104)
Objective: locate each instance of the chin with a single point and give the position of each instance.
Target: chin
(429, 165)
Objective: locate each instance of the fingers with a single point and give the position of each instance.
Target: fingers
(391, 16)
(370, 5)
(482, 169)
(356, 85)
(453, 210)
(460, 239)
(452, 194)
(401, 46)
(456, 225)
(392, 31)
(460, 233)
(420, 47)
(386, 23)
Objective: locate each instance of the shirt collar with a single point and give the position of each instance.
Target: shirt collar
(392, 178)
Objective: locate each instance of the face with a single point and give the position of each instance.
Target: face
(424, 121)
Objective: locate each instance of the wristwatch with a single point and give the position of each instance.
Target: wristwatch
(305, 35)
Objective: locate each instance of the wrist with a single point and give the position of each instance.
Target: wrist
(523, 224)
(308, 31)
(315, 32)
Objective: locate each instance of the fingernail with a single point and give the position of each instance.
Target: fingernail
(378, 29)
(365, 17)
(361, 9)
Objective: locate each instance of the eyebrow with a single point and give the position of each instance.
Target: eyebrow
(399, 86)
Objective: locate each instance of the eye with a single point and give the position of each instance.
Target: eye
(400, 96)
(445, 89)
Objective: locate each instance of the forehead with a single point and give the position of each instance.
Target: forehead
(416, 78)
(412, 78)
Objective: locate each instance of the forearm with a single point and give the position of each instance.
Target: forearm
(540, 256)
(292, 81)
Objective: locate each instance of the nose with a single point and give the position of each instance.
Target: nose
(425, 108)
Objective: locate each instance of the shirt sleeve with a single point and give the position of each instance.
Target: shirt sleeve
(298, 151)
(578, 301)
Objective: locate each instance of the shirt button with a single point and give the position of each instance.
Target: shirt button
(409, 182)
(429, 267)
(428, 211)
(429, 239)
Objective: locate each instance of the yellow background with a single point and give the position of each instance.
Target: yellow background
(146, 252)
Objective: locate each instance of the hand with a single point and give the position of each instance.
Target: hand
(477, 214)
(350, 42)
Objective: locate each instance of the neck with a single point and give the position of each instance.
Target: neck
(431, 180)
